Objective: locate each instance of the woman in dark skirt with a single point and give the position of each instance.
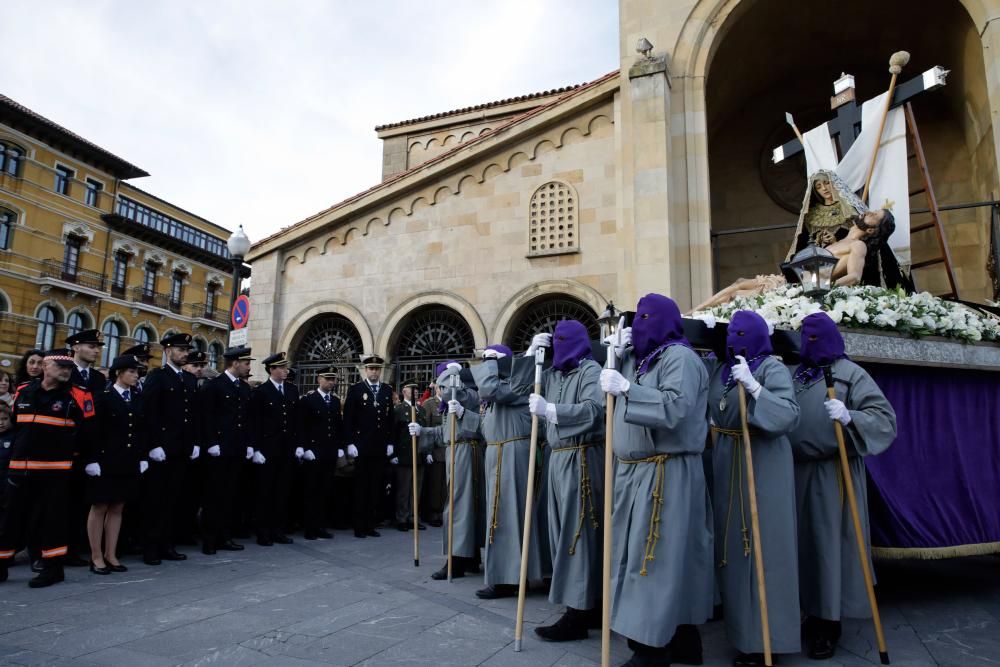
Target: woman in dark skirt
(115, 463)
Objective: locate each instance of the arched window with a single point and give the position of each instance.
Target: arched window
(552, 214)
(11, 156)
(331, 340)
(429, 336)
(7, 221)
(198, 344)
(48, 317)
(113, 332)
(214, 355)
(77, 322)
(142, 335)
(4, 303)
(542, 315)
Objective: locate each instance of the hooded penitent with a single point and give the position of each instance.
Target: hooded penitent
(570, 345)
(747, 337)
(821, 345)
(657, 326)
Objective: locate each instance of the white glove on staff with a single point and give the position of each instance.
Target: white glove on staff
(93, 469)
(837, 411)
(157, 454)
(539, 406)
(618, 341)
(299, 452)
(308, 455)
(394, 461)
(455, 408)
(742, 374)
(258, 458)
(415, 428)
(249, 453)
(389, 450)
(613, 382)
(429, 459)
(340, 453)
(214, 450)
(352, 451)
(493, 354)
(195, 452)
(454, 368)
(143, 466)
(537, 341)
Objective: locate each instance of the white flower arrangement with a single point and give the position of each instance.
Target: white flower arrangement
(866, 307)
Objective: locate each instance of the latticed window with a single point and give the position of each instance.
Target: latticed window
(552, 215)
(431, 335)
(541, 316)
(331, 340)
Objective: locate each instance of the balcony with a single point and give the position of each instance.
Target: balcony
(149, 297)
(53, 268)
(202, 311)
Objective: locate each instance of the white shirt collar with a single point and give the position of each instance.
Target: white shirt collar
(277, 385)
(173, 368)
(232, 378)
(120, 389)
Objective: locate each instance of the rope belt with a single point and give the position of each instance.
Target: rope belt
(731, 432)
(735, 480)
(653, 536)
(586, 490)
(496, 485)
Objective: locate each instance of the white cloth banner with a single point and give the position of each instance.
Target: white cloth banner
(819, 149)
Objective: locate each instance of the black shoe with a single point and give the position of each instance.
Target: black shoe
(324, 534)
(821, 648)
(264, 542)
(570, 627)
(117, 568)
(208, 549)
(685, 646)
(72, 560)
(357, 533)
(436, 523)
(173, 554)
(283, 539)
(421, 526)
(314, 536)
(37, 565)
(373, 533)
(51, 574)
(498, 591)
(229, 545)
(647, 656)
(151, 557)
(99, 570)
(402, 527)
(752, 660)
(457, 570)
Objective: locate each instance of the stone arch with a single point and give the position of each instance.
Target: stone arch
(392, 326)
(298, 326)
(85, 314)
(543, 313)
(55, 305)
(533, 293)
(426, 336)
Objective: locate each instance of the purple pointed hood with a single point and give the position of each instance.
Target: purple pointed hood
(821, 345)
(657, 326)
(570, 345)
(746, 336)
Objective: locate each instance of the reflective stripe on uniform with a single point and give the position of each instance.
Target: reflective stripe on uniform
(52, 553)
(7, 554)
(42, 419)
(41, 465)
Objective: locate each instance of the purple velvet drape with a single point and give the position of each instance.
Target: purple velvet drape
(936, 491)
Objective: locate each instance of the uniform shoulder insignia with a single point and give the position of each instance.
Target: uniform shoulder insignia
(311, 392)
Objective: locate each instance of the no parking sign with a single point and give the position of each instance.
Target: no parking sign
(241, 312)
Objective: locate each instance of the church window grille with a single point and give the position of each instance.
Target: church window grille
(552, 220)
(430, 336)
(543, 315)
(331, 340)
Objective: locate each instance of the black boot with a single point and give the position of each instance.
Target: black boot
(571, 626)
(752, 660)
(647, 656)
(685, 647)
(497, 591)
(52, 573)
(821, 637)
(457, 569)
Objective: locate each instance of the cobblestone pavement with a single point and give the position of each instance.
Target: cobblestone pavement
(347, 601)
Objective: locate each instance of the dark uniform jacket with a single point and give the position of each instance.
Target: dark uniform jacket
(95, 384)
(275, 413)
(321, 427)
(170, 405)
(227, 421)
(368, 418)
(402, 440)
(53, 427)
(122, 439)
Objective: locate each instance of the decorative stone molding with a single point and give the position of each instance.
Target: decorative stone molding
(892, 348)
(181, 266)
(552, 220)
(77, 230)
(155, 257)
(126, 246)
(648, 66)
(216, 279)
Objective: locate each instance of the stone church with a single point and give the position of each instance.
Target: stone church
(494, 221)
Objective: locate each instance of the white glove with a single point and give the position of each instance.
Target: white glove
(195, 452)
(214, 450)
(454, 368)
(340, 453)
(258, 458)
(157, 454)
(537, 405)
(837, 411)
(550, 414)
(394, 460)
(429, 459)
(613, 382)
(308, 455)
(537, 341)
(93, 469)
(299, 452)
(493, 354)
(455, 408)
(415, 428)
(619, 340)
(388, 450)
(741, 373)
(143, 466)
(352, 451)
(249, 453)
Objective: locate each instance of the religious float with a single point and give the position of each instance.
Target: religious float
(936, 492)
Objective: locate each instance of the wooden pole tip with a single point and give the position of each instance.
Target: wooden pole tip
(884, 656)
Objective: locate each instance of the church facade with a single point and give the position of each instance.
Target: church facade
(495, 221)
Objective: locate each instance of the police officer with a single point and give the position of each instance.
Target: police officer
(143, 354)
(320, 446)
(228, 437)
(402, 458)
(86, 346)
(368, 427)
(169, 396)
(55, 422)
(186, 521)
(273, 404)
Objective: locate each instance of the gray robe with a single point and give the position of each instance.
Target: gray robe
(575, 533)
(469, 530)
(770, 416)
(663, 414)
(505, 420)
(830, 580)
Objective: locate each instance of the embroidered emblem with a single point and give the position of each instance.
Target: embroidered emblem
(57, 406)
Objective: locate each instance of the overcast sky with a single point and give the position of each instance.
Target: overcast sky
(262, 112)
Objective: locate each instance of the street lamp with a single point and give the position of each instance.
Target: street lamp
(812, 267)
(608, 320)
(239, 246)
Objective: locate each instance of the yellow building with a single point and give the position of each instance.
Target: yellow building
(82, 248)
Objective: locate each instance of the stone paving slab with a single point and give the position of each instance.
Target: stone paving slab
(361, 602)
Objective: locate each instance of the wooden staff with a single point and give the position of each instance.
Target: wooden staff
(896, 63)
(451, 478)
(845, 469)
(609, 471)
(413, 480)
(758, 555)
(528, 507)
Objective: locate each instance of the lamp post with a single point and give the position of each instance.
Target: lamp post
(239, 245)
(812, 267)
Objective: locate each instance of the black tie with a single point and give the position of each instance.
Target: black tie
(236, 382)
(126, 396)
(326, 397)
(85, 372)
(281, 389)
(180, 376)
